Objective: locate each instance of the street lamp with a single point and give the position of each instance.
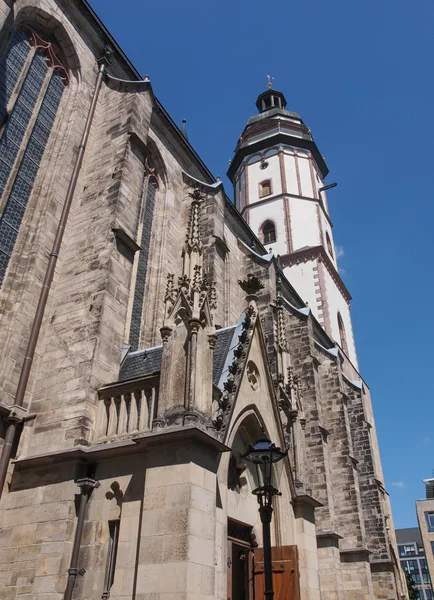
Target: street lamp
(264, 455)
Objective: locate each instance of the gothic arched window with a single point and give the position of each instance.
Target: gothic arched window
(265, 188)
(32, 80)
(342, 334)
(144, 235)
(329, 245)
(268, 232)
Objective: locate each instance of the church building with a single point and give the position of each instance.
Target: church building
(153, 328)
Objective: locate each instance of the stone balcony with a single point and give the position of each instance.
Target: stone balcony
(126, 409)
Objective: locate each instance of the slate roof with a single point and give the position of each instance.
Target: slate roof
(410, 534)
(146, 362)
(223, 344)
(141, 363)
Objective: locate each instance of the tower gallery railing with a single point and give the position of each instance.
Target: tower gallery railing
(126, 409)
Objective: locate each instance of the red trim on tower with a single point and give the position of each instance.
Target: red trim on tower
(288, 229)
(297, 172)
(312, 176)
(321, 232)
(246, 186)
(325, 304)
(282, 170)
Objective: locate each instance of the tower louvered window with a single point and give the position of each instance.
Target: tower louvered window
(268, 232)
(265, 188)
(32, 81)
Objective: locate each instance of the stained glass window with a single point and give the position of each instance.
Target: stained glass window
(32, 81)
(142, 264)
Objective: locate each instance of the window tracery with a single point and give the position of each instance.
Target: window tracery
(253, 377)
(145, 228)
(32, 81)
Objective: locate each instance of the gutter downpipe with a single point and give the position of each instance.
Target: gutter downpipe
(86, 486)
(43, 297)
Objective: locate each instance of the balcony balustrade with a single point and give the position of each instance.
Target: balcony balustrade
(126, 409)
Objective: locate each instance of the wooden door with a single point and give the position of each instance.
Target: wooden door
(239, 571)
(286, 585)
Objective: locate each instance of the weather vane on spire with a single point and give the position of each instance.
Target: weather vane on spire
(269, 84)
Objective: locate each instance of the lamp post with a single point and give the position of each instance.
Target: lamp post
(264, 455)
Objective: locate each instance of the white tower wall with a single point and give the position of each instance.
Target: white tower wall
(338, 304)
(303, 277)
(304, 224)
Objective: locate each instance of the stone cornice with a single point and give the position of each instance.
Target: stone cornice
(307, 499)
(362, 553)
(283, 195)
(328, 534)
(15, 412)
(138, 444)
(318, 253)
(381, 565)
(274, 137)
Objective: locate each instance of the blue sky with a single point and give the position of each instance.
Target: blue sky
(361, 76)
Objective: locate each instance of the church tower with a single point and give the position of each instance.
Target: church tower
(278, 176)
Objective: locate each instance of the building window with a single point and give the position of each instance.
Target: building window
(429, 516)
(265, 188)
(114, 527)
(33, 80)
(410, 566)
(428, 594)
(143, 256)
(329, 245)
(268, 232)
(432, 548)
(408, 550)
(342, 334)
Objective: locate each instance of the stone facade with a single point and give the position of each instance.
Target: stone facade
(127, 479)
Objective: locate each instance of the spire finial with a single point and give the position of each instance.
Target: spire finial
(184, 128)
(269, 84)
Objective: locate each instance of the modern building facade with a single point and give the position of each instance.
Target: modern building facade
(148, 336)
(413, 560)
(425, 517)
